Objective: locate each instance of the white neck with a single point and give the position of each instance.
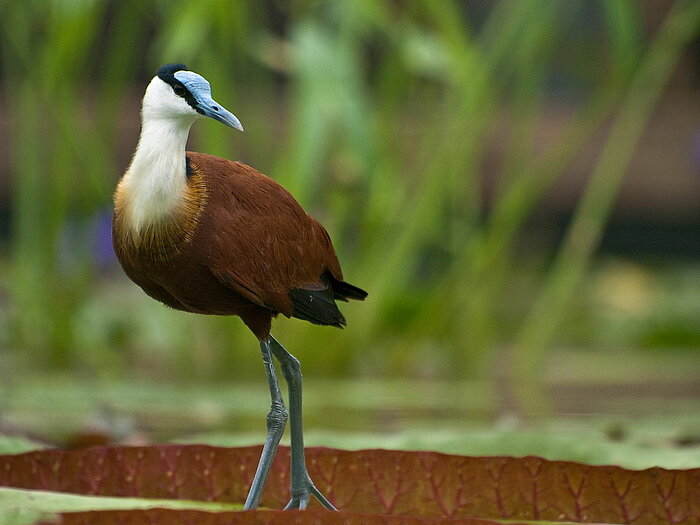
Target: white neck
(156, 179)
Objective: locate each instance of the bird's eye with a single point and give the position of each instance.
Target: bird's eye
(179, 90)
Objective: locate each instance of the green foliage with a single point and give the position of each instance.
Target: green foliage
(387, 156)
(17, 503)
(17, 445)
(633, 409)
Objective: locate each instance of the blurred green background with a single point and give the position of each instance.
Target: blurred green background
(516, 184)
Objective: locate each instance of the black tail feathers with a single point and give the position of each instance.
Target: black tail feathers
(345, 291)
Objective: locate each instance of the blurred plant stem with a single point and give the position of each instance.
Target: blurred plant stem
(59, 164)
(530, 346)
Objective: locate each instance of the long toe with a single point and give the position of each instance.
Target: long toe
(321, 498)
(297, 503)
(301, 496)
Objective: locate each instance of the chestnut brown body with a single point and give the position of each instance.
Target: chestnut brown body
(237, 244)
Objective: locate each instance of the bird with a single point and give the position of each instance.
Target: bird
(207, 235)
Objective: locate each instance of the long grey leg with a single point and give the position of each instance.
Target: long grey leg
(301, 485)
(276, 420)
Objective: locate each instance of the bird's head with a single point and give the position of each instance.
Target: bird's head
(176, 93)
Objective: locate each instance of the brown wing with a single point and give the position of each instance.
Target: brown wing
(261, 243)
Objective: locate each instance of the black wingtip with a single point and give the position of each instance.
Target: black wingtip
(316, 306)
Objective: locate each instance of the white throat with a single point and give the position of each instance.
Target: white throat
(156, 180)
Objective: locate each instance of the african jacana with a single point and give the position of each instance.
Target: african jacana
(207, 235)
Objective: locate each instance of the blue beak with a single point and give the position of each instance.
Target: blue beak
(209, 107)
(205, 104)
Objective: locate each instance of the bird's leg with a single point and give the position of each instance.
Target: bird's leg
(276, 420)
(301, 485)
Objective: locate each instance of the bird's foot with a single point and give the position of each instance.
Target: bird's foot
(302, 495)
